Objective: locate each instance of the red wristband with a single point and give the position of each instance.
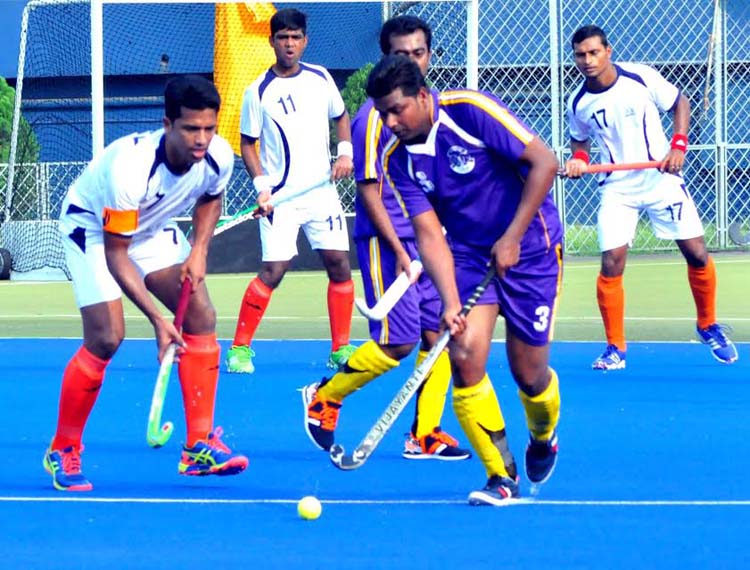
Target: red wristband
(680, 142)
(581, 155)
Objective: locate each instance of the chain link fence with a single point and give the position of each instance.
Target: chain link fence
(525, 58)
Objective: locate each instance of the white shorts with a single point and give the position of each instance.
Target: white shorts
(667, 202)
(92, 281)
(318, 213)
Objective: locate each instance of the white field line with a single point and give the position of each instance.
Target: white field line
(406, 502)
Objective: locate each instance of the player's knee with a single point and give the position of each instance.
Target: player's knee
(105, 345)
(271, 277)
(531, 377)
(398, 351)
(201, 318)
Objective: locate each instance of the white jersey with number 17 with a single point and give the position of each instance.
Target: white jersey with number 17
(624, 120)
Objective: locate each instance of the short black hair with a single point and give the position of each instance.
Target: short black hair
(392, 72)
(403, 26)
(192, 92)
(586, 32)
(288, 19)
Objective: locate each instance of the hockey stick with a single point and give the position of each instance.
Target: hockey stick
(384, 423)
(250, 213)
(391, 296)
(157, 434)
(598, 168)
(736, 235)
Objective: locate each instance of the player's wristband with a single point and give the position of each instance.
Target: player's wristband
(680, 142)
(581, 155)
(345, 148)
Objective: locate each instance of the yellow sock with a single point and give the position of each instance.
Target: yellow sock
(543, 410)
(478, 412)
(432, 394)
(366, 363)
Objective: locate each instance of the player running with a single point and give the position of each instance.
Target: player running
(117, 237)
(288, 109)
(618, 105)
(460, 160)
(385, 246)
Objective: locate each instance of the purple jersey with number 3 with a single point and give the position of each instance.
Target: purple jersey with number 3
(469, 171)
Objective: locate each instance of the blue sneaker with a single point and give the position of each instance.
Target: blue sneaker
(65, 467)
(498, 492)
(211, 456)
(541, 458)
(611, 359)
(716, 338)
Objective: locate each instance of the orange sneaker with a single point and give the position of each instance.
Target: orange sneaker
(434, 445)
(321, 416)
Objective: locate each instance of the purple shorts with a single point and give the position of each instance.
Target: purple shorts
(419, 309)
(527, 295)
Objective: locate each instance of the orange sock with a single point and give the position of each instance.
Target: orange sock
(199, 375)
(703, 285)
(340, 304)
(80, 387)
(254, 304)
(610, 294)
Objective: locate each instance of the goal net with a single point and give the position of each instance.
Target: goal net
(84, 81)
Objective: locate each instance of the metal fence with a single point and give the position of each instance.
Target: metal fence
(525, 58)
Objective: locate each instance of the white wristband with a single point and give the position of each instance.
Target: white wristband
(345, 148)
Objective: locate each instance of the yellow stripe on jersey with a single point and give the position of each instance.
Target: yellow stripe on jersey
(558, 291)
(119, 221)
(387, 152)
(372, 136)
(500, 114)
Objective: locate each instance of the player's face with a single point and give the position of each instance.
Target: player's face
(288, 45)
(408, 118)
(592, 57)
(188, 136)
(413, 46)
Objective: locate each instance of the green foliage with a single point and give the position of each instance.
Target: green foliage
(28, 146)
(354, 91)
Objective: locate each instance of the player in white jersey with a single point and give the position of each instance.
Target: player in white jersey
(288, 109)
(118, 236)
(619, 106)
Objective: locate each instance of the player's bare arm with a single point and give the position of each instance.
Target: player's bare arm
(131, 283)
(675, 159)
(381, 221)
(438, 261)
(261, 181)
(575, 167)
(205, 217)
(343, 166)
(507, 250)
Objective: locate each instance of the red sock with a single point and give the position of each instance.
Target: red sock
(703, 285)
(80, 387)
(254, 304)
(611, 297)
(199, 375)
(340, 304)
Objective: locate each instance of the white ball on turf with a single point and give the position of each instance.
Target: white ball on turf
(309, 508)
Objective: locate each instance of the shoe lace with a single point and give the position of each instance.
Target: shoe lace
(721, 331)
(214, 440)
(444, 437)
(71, 461)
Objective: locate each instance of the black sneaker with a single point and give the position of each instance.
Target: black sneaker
(541, 457)
(435, 445)
(499, 491)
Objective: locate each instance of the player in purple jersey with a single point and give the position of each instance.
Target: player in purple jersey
(385, 246)
(462, 161)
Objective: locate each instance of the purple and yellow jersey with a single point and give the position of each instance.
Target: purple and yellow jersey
(469, 171)
(369, 137)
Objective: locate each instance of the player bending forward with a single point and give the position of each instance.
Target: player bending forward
(618, 105)
(118, 237)
(461, 160)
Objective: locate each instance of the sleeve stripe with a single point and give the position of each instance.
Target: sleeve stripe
(374, 128)
(490, 107)
(119, 221)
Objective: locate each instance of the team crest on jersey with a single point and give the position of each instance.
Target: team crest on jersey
(460, 160)
(422, 180)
